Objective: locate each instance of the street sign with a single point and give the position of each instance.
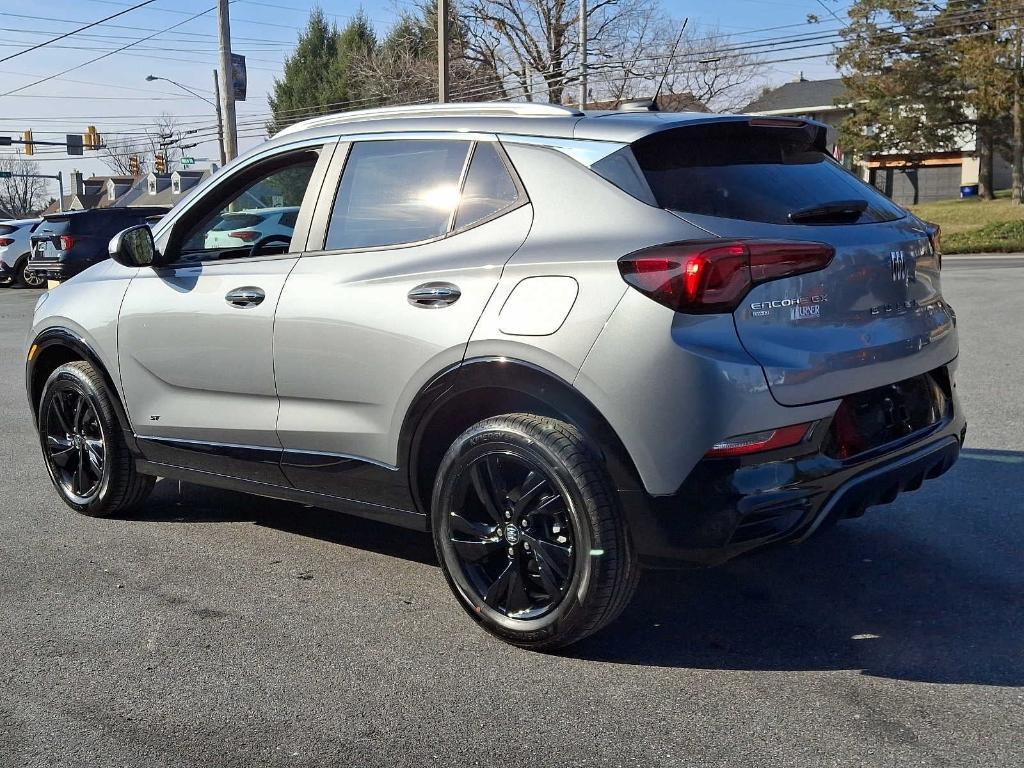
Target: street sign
(5, 174)
(187, 161)
(75, 143)
(238, 76)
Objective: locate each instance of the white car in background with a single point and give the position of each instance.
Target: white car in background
(239, 229)
(14, 252)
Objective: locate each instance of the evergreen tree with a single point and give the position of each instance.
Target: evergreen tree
(901, 81)
(310, 74)
(356, 42)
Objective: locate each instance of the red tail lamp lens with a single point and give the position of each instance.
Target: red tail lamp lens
(5, 241)
(706, 277)
(757, 442)
(66, 241)
(245, 235)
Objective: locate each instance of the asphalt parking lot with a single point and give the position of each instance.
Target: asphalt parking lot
(222, 630)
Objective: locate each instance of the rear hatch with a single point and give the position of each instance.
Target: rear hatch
(874, 315)
(56, 235)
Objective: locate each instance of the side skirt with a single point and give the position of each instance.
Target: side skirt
(400, 517)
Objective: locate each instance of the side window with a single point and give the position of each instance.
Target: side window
(265, 201)
(489, 188)
(396, 192)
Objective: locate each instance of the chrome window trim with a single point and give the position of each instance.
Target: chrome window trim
(584, 151)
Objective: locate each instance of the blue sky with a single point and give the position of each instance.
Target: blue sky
(114, 95)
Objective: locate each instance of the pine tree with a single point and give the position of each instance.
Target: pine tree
(902, 82)
(308, 82)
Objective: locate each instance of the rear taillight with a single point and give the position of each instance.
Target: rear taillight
(757, 442)
(935, 238)
(245, 235)
(66, 241)
(714, 276)
(5, 241)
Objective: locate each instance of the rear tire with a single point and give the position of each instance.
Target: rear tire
(26, 279)
(83, 446)
(529, 533)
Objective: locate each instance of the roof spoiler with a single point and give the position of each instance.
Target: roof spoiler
(817, 132)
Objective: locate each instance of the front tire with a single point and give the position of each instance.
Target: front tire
(528, 532)
(85, 452)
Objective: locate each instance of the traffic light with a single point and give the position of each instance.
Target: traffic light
(30, 148)
(90, 138)
(160, 163)
(133, 165)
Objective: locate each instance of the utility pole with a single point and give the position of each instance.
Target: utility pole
(583, 54)
(443, 95)
(227, 73)
(220, 118)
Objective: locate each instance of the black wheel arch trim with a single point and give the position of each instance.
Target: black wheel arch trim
(559, 396)
(63, 337)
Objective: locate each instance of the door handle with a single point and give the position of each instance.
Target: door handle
(434, 295)
(249, 296)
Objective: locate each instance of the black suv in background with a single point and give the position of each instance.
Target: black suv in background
(66, 243)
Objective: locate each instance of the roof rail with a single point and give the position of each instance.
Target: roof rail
(469, 109)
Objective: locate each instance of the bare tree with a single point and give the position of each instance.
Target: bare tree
(632, 46)
(164, 136)
(21, 196)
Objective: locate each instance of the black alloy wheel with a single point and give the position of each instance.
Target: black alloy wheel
(75, 445)
(84, 446)
(528, 531)
(513, 536)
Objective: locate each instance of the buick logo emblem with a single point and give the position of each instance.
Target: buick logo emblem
(511, 534)
(902, 267)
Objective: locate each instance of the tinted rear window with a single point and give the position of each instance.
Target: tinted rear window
(7, 229)
(738, 171)
(103, 223)
(237, 221)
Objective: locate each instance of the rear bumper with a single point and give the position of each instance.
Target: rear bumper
(57, 270)
(730, 506)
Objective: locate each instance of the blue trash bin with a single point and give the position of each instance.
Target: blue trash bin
(968, 190)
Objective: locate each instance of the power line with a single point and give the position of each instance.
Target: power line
(490, 87)
(105, 55)
(76, 31)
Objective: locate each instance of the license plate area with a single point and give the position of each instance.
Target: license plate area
(870, 420)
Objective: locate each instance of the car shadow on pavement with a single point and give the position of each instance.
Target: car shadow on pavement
(930, 588)
(183, 502)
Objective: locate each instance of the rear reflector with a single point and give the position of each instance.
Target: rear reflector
(714, 276)
(757, 442)
(246, 235)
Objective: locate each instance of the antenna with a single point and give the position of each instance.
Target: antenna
(671, 59)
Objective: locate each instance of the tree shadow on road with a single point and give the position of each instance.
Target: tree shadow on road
(930, 588)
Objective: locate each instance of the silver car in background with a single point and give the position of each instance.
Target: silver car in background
(15, 249)
(568, 345)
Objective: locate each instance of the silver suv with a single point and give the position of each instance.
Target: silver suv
(568, 345)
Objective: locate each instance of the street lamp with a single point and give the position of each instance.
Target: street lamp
(214, 104)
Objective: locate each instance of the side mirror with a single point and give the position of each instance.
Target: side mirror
(133, 247)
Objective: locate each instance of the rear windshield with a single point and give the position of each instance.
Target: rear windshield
(236, 220)
(776, 175)
(58, 226)
(103, 223)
